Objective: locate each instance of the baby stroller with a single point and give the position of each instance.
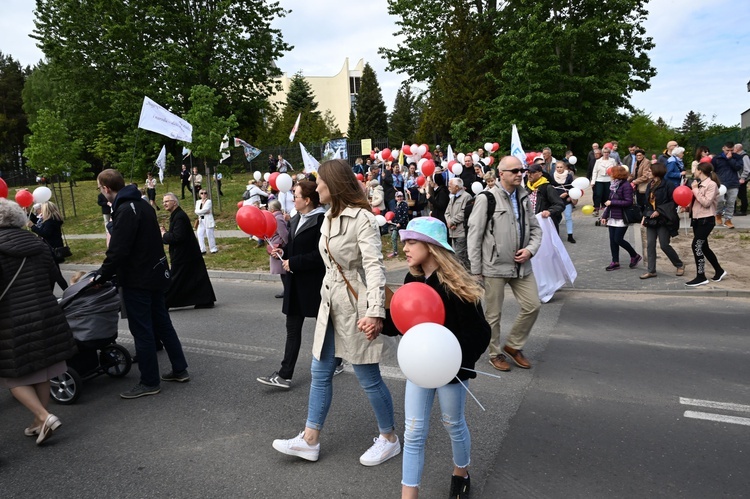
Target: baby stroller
(93, 313)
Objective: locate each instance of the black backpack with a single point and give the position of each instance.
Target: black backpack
(491, 203)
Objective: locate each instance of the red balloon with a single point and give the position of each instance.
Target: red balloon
(428, 167)
(389, 215)
(683, 196)
(426, 147)
(415, 303)
(609, 171)
(270, 221)
(407, 150)
(3, 189)
(272, 180)
(421, 180)
(427, 155)
(376, 211)
(495, 146)
(24, 198)
(450, 165)
(251, 221)
(492, 160)
(240, 204)
(372, 154)
(360, 177)
(386, 154)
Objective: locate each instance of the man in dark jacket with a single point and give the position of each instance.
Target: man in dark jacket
(728, 168)
(184, 180)
(136, 256)
(544, 197)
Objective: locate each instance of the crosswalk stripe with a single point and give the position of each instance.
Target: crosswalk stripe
(720, 418)
(715, 405)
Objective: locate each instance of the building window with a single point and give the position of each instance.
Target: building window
(354, 84)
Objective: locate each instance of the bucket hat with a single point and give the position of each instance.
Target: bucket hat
(428, 230)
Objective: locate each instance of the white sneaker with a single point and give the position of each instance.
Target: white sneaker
(298, 447)
(381, 451)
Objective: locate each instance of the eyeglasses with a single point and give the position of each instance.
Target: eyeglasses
(515, 171)
(202, 193)
(299, 197)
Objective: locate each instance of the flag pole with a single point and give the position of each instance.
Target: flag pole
(135, 146)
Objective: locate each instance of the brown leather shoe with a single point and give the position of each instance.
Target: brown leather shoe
(517, 356)
(719, 221)
(680, 271)
(728, 223)
(648, 275)
(500, 363)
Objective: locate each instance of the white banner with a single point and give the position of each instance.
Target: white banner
(161, 162)
(311, 164)
(157, 119)
(515, 147)
(552, 265)
(296, 127)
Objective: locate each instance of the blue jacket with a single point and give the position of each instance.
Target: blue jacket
(728, 170)
(674, 167)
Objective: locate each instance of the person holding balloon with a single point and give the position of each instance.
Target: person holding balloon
(432, 262)
(277, 242)
(564, 183)
(350, 318)
(703, 213)
(661, 221)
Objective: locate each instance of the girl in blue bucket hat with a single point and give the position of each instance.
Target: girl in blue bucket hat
(431, 261)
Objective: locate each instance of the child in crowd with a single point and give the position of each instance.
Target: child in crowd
(431, 261)
(400, 220)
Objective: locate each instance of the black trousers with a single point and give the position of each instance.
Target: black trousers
(742, 197)
(702, 227)
(293, 342)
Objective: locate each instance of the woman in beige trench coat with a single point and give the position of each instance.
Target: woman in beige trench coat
(349, 320)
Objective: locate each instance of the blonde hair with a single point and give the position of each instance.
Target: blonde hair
(77, 276)
(50, 212)
(452, 274)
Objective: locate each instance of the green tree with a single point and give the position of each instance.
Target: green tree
(208, 127)
(402, 124)
(351, 129)
(644, 131)
(13, 123)
(331, 126)
(372, 118)
(51, 150)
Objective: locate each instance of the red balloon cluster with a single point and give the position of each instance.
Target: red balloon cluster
(250, 220)
(3, 189)
(683, 196)
(386, 153)
(415, 303)
(495, 146)
(270, 224)
(24, 198)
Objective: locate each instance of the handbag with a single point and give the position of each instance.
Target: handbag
(632, 214)
(197, 223)
(63, 252)
(388, 291)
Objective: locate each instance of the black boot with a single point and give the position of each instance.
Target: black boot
(460, 487)
(570, 239)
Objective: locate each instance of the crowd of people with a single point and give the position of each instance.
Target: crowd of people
(466, 236)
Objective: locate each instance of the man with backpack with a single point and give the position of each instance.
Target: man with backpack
(500, 249)
(454, 219)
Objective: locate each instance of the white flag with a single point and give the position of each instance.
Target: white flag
(185, 152)
(515, 147)
(296, 126)
(311, 164)
(450, 156)
(337, 154)
(157, 119)
(161, 162)
(224, 149)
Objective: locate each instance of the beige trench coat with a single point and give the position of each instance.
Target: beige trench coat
(354, 241)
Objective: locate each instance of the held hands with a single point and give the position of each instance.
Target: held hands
(371, 326)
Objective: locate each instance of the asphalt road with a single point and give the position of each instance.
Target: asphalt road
(597, 416)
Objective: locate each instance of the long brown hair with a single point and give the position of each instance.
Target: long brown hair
(343, 186)
(707, 169)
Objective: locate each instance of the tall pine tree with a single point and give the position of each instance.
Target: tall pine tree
(371, 119)
(402, 125)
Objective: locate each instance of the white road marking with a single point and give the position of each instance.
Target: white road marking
(208, 351)
(715, 405)
(719, 418)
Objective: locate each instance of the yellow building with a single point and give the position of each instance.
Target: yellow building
(337, 93)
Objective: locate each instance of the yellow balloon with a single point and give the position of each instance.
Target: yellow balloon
(588, 209)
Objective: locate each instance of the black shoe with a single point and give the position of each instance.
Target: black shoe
(140, 390)
(180, 377)
(205, 305)
(570, 239)
(698, 281)
(719, 276)
(280, 295)
(460, 487)
(275, 380)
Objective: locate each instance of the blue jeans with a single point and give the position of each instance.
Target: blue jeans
(321, 388)
(569, 218)
(417, 408)
(148, 319)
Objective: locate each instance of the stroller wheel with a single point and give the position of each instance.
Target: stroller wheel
(66, 388)
(115, 360)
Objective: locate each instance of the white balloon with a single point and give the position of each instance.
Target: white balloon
(380, 156)
(380, 219)
(394, 154)
(266, 176)
(460, 158)
(429, 355)
(444, 164)
(572, 160)
(722, 190)
(415, 149)
(486, 161)
(475, 157)
(488, 146)
(477, 187)
(422, 150)
(575, 193)
(284, 182)
(257, 175)
(457, 169)
(42, 194)
(581, 183)
(626, 168)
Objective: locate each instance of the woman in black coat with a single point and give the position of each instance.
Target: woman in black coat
(35, 339)
(190, 284)
(50, 229)
(438, 198)
(305, 271)
(661, 220)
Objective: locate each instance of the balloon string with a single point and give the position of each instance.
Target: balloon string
(472, 395)
(482, 372)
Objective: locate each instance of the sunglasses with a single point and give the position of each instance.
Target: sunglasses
(515, 171)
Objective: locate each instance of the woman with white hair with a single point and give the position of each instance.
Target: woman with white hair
(675, 167)
(377, 196)
(35, 339)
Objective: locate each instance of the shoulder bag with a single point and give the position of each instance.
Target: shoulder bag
(14, 279)
(388, 292)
